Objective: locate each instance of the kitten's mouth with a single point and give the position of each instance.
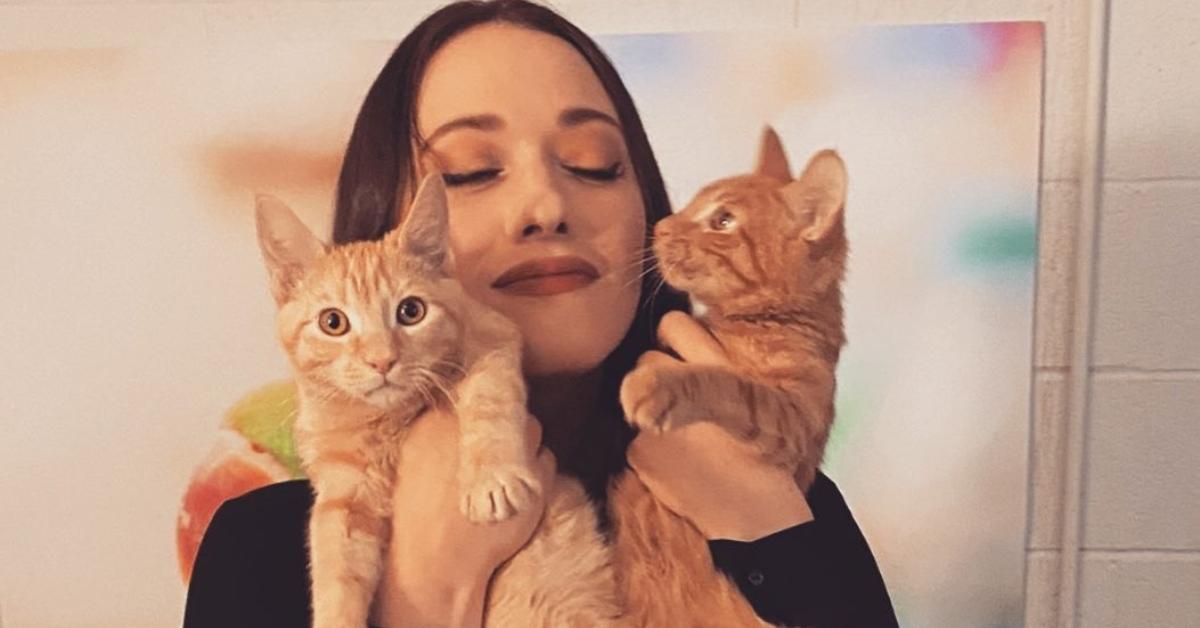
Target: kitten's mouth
(674, 269)
(674, 260)
(386, 384)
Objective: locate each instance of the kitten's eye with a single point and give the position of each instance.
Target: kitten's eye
(722, 221)
(466, 178)
(410, 311)
(611, 173)
(333, 321)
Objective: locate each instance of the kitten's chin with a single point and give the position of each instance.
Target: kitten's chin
(387, 396)
(687, 282)
(703, 289)
(692, 279)
(679, 274)
(676, 279)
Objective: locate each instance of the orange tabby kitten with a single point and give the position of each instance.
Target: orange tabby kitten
(377, 332)
(766, 254)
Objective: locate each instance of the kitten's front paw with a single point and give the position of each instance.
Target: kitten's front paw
(496, 492)
(654, 399)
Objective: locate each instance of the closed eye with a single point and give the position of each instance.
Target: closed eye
(611, 173)
(453, 179)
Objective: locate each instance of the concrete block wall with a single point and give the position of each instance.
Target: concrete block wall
(1141, 507)
(1114, 526)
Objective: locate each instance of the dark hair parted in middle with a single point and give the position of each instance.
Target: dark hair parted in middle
(379, 170)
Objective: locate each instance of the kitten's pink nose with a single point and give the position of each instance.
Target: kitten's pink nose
(382, 364)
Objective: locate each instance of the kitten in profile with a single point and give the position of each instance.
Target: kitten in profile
(376, 333)
(766, 254)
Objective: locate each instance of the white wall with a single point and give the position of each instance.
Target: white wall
(1114, 484)
(1141, 523)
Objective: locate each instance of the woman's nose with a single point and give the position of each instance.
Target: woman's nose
(542, 209)
(544, 215)
(536, 228)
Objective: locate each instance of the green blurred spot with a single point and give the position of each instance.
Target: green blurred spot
(1007, 241)
(265, 418)
(848, 412)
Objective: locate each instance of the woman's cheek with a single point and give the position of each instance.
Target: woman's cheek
(574, 333)
(577, 331)
(628, 245)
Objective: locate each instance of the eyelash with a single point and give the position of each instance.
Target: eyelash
(611, 173)
(453, 179)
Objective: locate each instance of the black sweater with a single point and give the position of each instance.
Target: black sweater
(251, 568)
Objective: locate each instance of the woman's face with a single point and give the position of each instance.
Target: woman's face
(546, 217)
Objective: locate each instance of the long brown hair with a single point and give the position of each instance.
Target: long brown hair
(379, 167)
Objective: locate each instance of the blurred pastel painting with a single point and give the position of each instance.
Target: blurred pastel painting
(142, 290)
(939, 127)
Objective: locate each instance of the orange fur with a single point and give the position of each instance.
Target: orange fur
(766, 254)
(360, 383)
(664, 570)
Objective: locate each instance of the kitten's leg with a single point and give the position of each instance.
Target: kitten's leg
(787, 426)
(496, 466)
(346, 542)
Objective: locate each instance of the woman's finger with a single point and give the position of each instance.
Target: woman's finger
(547, 464)
(645, 451)
(687, 337)
(545, 468)
(533, 431)
(655, 358)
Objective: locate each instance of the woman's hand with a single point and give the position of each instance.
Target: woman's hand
(702, 472)
(438, 563)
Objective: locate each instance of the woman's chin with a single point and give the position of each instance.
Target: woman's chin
(569, 332)
(572, 339)
(558, 359)
(569, 346)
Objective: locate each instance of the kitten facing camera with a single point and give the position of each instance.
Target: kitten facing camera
(376, 333)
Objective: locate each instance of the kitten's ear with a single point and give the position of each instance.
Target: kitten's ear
(818, 197)
(426, 230)
(772, 161)
(288, 247)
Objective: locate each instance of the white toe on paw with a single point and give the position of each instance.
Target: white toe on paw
(498, 492)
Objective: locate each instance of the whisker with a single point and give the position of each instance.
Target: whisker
(454, 365)
(640, 256)
(441, 387)
(658, 286)
(425, 392)
(648, 263)
(640, 276)
(651, 266)
(444, 386)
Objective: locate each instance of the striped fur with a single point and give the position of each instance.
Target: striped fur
(766, 254)
(359, 390)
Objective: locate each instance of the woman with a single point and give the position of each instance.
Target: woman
(553, 191)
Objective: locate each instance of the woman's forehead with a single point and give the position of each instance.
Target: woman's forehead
(520, 75)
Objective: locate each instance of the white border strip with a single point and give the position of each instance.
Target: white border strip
(1079, 380)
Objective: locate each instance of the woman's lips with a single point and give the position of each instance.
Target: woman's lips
(546, 276)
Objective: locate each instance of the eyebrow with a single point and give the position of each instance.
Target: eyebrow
(572, 117)
(576, 116)
(482, 122)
